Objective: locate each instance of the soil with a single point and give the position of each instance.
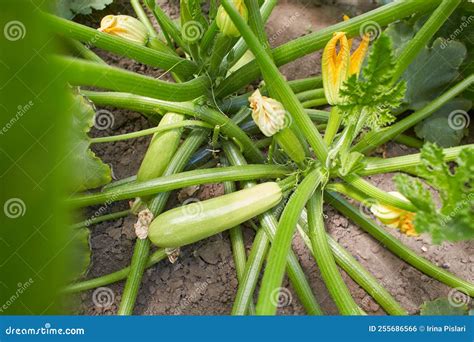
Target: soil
(203, 279)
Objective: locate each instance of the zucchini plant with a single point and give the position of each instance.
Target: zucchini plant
(280, 152)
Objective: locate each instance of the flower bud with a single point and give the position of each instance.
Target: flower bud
(224, 22)
(125, 27)
(268, 113)
(395, 217)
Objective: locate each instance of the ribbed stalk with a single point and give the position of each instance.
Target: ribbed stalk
(181, 180)
(327, 265)
(377, 165)
(278, 84)
(356, 271)
(424, 35)
(120, 46)
(85, 52)
(85, 73)
(207, 114)
(374, 139)
(294, 270)
(273, 276)
(310, 43)
(114, 276)
(409, 141)
(380, 195)
(396, 247)
(335, 118)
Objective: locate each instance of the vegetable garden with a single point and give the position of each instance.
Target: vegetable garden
(286, 151)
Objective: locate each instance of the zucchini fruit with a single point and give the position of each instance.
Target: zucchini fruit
(196, 221)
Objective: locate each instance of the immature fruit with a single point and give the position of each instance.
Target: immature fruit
(199, 220)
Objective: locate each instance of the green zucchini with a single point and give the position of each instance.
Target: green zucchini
(162, 147)
(196, 221)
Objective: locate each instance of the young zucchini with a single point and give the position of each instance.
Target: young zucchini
(162, 148)
(196, 221)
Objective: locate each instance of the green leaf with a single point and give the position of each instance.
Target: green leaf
(80, 253)
(442, 307)
(88, 171)
(373, 96)
(432, 70)
(454, 221)
(441, 127)
(70, 8)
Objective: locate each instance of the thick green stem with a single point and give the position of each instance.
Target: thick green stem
(134, 278)
(278, 84)
(85, 52)
(377, 165)
(327, 265)
(335, 118)
(380, 195)
(423, 36)
(114, 276)
(356, 271)
(312, 42)
(277, 257)
(149, 131)
(85, 73)
(120, 46)
(409, 141)
(397, 247)
(207, 114)
(181, 180)
(374, 139)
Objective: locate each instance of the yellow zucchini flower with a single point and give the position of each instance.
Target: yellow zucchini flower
(225, 24)
(337, 66)
(395, 217)
(268, 113)
(125, 27)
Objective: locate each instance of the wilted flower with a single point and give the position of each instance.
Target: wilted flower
(268, 113)
(125, 27)
(224, 22)
(395, 217)
(338, 66)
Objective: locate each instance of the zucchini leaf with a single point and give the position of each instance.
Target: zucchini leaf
(80, 252)
(443, 307)
(373, 94)
(70, 8)
(454, 221)
(88, 171)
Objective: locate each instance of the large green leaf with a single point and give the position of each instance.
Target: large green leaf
(443, 307)
(88, 171)
(443, 127)
(80, 252)
(70, 8)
